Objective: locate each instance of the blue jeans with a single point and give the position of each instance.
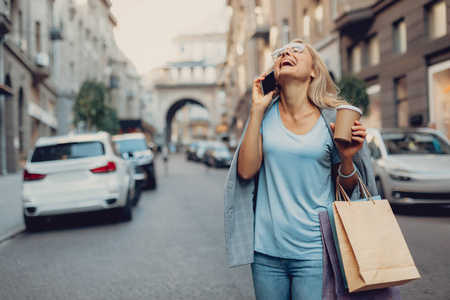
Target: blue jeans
(283, 279)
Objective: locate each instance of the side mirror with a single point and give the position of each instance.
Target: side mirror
(125, 155)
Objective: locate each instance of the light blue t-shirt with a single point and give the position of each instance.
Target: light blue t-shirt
(294, 185)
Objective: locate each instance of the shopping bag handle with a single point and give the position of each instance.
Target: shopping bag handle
(340, 191)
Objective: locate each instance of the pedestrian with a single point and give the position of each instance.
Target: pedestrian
(283, 174)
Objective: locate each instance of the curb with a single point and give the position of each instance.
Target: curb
(10, 234)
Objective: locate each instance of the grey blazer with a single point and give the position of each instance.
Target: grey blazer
(239, 199)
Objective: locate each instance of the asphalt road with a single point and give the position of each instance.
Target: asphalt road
(174, 248)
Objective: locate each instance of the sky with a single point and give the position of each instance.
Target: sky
(145, 27)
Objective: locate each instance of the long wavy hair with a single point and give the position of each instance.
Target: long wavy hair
(322, 90)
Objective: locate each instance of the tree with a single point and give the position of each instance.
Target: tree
(91, 107)
(353, 90)
(110, 122)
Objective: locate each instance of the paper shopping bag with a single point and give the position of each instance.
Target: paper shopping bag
(333, 282)
(374, 252)
(335, 237)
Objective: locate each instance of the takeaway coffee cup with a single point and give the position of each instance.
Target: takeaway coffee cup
(345, 119)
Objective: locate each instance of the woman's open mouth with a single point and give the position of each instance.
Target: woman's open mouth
(287, 63)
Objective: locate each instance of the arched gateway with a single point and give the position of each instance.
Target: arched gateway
(171, 98)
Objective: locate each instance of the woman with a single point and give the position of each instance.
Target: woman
(288, 149)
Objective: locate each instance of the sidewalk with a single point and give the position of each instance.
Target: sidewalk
(11, 216)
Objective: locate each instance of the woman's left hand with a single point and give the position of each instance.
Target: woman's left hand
(358, 135)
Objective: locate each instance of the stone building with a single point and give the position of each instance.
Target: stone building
(399, 48)
(402, 50)
(257, 28)
(185, 96)
(47, 49)
(26, 68)
(89, 51)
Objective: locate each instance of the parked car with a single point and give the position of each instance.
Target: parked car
(411, 166)
(135, 150)
(76, 173)
(218, 155)
(191, 149)
(200, 151)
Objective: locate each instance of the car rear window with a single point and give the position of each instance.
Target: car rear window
(68, 151)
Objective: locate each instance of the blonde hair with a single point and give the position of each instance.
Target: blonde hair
(322, 90)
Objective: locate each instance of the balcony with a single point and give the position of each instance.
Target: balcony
(355, 17)
(38, 66)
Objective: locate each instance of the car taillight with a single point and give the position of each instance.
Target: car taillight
(27, 176)
(110, 167)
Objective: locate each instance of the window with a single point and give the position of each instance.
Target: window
(285, 32)
(37, 28)
(374, 147)
(355, 59)
(131, 145)
(318, 14)
(401, 101)
(437, 20)
(399, 34)
(306, 20)
(372, 51)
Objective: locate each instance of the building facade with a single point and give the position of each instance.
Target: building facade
(26, 63)
(185, 96)
(257, 28)
(402, 50)
(399, 48)
(47, 49)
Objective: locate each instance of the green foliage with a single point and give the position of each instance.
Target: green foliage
(92, 108)
(353, 90)
(110, 122)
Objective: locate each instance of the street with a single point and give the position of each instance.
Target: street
(174, 248)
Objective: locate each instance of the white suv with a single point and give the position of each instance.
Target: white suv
(76, 173)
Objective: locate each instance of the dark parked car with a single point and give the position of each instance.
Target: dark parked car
(134, 149)
(217, 155)
(191, 149)
(411, 166)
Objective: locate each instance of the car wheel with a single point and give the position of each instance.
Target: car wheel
(137, 193)
(380, 188)
(151, 179)
(33, 223)
(125, 213)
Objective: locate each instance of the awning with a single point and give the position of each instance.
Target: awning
(37, 112)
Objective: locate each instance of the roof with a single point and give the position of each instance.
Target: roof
(70, 138)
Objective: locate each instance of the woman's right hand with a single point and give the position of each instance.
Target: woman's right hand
(259, 100)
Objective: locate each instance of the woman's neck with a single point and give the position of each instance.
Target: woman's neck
(294, 99)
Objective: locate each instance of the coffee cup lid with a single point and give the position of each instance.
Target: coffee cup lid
(350, 107)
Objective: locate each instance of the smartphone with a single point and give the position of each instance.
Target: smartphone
(269, 83)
